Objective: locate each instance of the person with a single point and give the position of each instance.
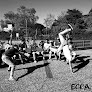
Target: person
(47, 46)
(23, 45)
(69, 42)
(33, 50)
(6, 46)
(65, 46)
(57, 42)
(7, 58)
(41, 44)
(39, 50)
(71, 49)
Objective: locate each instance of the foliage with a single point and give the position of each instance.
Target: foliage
(25, 20)
(73, 15)
(49, 20)
(90, 12)
(4, 35)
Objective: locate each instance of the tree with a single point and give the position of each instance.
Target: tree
(22, 14)
(28, 14)
(73, 15)
(24, 19)
(81, 24)
(90, 12)
(10, 16)
(59, 24)
(2, 24)
(88, 21)
(49, 20)
(61, 18)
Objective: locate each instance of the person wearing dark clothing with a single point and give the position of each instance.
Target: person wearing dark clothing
(7, 58)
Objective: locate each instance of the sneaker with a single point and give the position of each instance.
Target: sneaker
(12, 79)
(35, 61)
(9, 69)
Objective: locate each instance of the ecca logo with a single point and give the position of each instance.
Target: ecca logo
(77, 86)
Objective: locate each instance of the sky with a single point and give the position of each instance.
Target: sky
(45, 7)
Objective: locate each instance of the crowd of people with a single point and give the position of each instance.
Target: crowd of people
(26, 49)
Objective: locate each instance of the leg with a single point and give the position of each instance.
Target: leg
(42, 55)
(65, 31)
(12, 72)
(8, 61)
(9, 68)
(59, 55)
(62, 40)
(54, 50)
(34, 57)
(59, 48)
(50, 54)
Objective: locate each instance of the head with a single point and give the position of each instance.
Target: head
(7, 46)
(47, 40)
(58, 39)
(16, 46)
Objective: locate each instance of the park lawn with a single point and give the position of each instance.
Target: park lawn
(51, 76)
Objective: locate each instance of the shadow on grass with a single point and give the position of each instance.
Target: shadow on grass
(3, 66)
(31, 69)
(81, 62)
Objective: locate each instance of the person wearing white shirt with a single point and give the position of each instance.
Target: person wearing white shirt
(65, 46)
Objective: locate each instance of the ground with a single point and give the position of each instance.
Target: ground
(51, 76)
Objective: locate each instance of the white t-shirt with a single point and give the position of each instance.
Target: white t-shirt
(47, 46)
(7, 46)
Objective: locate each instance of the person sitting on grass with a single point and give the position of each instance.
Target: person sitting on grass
(46, 47)
(39, 51)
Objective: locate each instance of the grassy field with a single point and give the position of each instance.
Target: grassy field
(51, 76)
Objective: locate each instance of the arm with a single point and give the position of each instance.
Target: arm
(20, 58)
(20, 55)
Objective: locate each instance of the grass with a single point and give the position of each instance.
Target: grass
(51, 76)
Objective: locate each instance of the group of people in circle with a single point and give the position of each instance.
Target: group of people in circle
(65, 47)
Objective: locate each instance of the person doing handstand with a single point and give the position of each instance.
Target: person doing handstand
(65, 46)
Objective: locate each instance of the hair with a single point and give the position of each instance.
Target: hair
(47, 39)
(16, 46)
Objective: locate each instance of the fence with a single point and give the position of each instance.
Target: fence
(77, 44)
(82, 44)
